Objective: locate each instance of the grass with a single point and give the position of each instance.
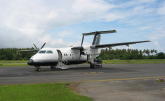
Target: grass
(140, 61)
(13, 63)
(39, 92)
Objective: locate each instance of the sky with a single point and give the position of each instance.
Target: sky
(61, 23)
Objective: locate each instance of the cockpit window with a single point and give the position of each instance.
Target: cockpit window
(42, 51)
(49, 52)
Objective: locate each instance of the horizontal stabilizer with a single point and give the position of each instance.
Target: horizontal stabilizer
(118, 44)
(100, 32)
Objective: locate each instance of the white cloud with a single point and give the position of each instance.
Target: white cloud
(159, 34)
(145, 1)
(25, 20)
(115, 16)
(161, 9)
(123, 11)
(65, 33)
(145, 28)
(133, 3)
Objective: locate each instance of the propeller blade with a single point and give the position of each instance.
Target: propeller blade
(35, 46)
(43, 45)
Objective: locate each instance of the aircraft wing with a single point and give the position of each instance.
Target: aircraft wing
(118, 44)
(77, 48)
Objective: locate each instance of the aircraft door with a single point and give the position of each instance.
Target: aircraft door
(59, 56)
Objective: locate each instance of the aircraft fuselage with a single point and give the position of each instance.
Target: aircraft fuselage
(51, 57)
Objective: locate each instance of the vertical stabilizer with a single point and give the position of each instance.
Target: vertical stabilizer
(96, 40)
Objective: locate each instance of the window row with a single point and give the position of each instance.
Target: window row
(67, 54)
(45, 51)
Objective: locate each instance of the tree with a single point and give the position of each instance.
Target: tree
(161, 55)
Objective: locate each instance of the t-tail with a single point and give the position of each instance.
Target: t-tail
(97, 36)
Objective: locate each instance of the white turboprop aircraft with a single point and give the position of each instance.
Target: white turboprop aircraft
(60, 57)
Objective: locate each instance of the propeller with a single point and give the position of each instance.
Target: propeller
(43, 45)
(34, 48)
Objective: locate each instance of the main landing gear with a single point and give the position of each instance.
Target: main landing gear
(38, 69)
(97, 63)
(93, 65)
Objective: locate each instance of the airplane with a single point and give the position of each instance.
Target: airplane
(61, 57)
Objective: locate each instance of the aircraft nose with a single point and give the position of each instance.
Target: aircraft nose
(30, 62)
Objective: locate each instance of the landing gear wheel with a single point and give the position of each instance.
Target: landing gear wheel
(52, 67)
(38, 69)
(92, 66)
(100, 66)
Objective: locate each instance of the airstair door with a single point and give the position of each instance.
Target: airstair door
(59, 56)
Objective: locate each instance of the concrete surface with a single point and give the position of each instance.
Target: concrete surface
(77, 73)
(113, 82)
(124, 90)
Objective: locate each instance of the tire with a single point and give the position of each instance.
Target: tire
(52, 67)
(38, 69)
(92, 66)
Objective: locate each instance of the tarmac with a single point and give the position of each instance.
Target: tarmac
(120, 82)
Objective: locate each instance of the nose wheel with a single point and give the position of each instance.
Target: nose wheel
(52, 67)
(37, 68)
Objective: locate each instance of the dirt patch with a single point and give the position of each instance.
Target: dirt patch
(74, 87)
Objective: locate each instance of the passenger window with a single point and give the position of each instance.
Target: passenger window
(49, 52)
(42, 51)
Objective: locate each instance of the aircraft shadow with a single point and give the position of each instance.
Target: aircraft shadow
(88, 69)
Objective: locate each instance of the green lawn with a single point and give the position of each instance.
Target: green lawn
(140, 61)
(13, 62)
(10, 63)
(39, 92)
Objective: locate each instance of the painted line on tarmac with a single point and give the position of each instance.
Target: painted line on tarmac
(125, 79)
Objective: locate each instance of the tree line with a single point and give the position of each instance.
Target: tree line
(126, 54)
(15, 54)
(106, 54)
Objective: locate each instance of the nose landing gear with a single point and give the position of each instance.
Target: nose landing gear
(52, 67)
(37, 68)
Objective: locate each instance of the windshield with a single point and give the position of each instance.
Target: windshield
(49, 52)
(45, 51)
(42, 51)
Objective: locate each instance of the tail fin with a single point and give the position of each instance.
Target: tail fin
(96, 40)
(97, 36)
